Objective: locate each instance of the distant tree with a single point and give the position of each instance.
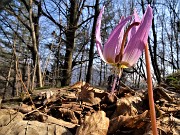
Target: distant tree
(3, 3)
(72, 12)
(29, 17)
(92, 43)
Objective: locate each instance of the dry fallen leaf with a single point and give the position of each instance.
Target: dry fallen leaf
(77, 85)
(8, 115)
(127, 121)
(87, 95)
(125, 106)
(33, 128)
(12, 123)
(96, 124)
(70, 114)
(84, 92)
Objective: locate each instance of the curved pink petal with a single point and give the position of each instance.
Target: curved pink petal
(113, 44)
(136, 45)
(120, 38)
(134, 29)
(98, 35)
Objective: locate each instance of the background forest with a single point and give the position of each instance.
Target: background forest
(51, 43)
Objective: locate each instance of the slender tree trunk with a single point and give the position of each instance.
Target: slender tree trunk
(171, 45)
(68, 58)
(8, 79)
(36, 30)
(177, 52)
(176, 35)
(85, 69)
(58, 70)
(35, 34)
(153, 53)
(16, 62)
(16, 78)
(100, 74)
(163, 53)
(81, 66)
(70, 41)
(10, 70)
(28, 76)
(91, 51)
(105, 72)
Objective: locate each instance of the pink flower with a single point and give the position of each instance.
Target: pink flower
(115, 51)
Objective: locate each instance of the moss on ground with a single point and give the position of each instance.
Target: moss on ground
(173, 80)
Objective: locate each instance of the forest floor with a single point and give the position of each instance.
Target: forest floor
(85, 110)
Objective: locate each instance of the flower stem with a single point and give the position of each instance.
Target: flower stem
(150, 92)
(114, 84)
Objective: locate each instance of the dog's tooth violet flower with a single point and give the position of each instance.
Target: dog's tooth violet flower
(115, 52)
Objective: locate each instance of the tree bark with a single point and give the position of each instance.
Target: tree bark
(34, 25)
(91, 51)
(70, 38)
(75, 11)
(154, 55)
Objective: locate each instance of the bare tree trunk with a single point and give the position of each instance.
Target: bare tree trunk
(100, 73)
(16, 77)
(37, 68)
(8, 79)
(10, 70)
(70, 37)
(105, 72)
(153, 53)
(70, 41)
(81, 66)
(163, 53)
(91, 51)
(175, 30)
(68, 58)
(58, 72)
(177, 51)
(16, 62)
(28, 76)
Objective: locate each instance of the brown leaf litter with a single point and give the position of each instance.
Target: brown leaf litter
(81, 109)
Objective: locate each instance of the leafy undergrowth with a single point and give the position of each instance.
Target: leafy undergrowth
(81, 109)
(173, 80)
